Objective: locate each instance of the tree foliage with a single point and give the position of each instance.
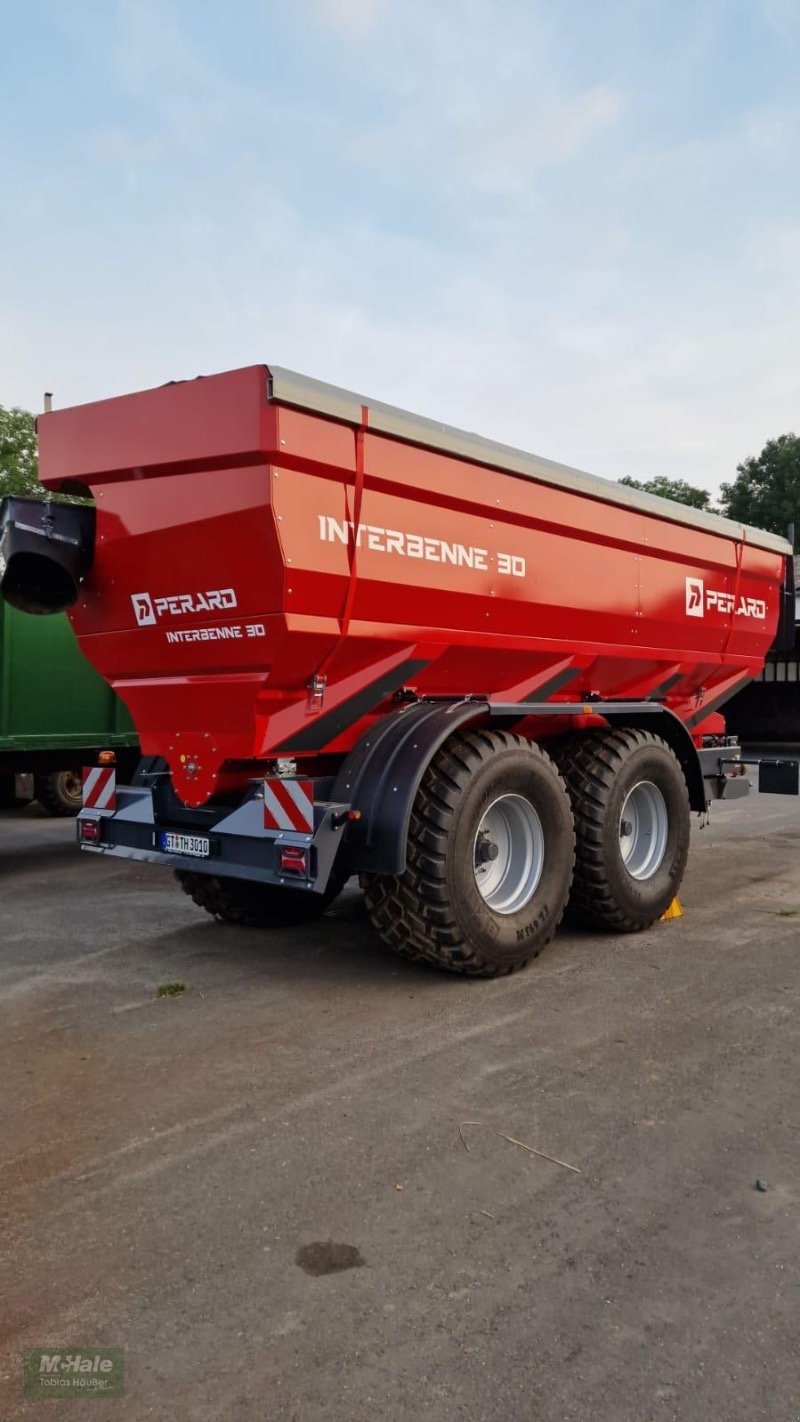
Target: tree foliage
(676, 489)
(19, 465)
(766, 490)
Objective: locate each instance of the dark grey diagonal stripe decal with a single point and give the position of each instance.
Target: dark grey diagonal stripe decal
(324, 729)
(549, 688)
(718, 701)
(665, 686)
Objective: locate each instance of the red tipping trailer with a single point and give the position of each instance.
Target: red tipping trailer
(354, 640)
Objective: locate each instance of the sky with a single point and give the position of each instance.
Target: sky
(569, 225)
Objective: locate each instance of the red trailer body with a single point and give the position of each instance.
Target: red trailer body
(354, 640)
(227, 576)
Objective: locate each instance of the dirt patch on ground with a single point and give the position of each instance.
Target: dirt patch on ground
(325, 1257)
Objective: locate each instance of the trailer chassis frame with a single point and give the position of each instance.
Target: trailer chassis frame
(361, 817)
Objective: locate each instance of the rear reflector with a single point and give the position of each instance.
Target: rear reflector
(289, 805)
(293, 860)
(99, 788)
(90, 830)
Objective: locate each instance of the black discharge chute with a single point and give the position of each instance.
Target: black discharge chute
(46, 550)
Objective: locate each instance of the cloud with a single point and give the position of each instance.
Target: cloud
(188, 97)
(782, 16)
(772, 132)
(351, 17)
(516, 144)
(119, 147)
(479, 107)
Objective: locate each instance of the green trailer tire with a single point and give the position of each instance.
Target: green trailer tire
(60, 793)
(8, 792)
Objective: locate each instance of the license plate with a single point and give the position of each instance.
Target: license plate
(195, 846)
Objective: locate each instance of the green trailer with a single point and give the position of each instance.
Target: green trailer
(56, 713)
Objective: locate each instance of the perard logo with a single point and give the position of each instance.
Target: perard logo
(148, 610)
(695, 598)
(700, 600)
(143, 609)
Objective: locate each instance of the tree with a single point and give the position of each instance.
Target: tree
(676, 489)
(19, 465)
(766, 490)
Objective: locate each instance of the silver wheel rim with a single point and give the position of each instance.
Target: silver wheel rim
(508, 854)
(643, 830)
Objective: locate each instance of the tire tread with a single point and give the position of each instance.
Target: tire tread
(412, 912)
(243, 903)
(589, 765)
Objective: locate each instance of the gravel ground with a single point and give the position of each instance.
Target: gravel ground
(264, 1190)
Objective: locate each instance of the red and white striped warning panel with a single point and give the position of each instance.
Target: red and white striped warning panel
(289, 805)
(99, 787)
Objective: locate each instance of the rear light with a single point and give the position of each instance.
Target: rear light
(89, 830)
(293, 860)
(107, 757)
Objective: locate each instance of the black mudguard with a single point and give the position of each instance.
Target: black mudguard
(382, 774)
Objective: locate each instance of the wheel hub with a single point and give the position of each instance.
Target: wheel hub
(643, 830)
(508, 854)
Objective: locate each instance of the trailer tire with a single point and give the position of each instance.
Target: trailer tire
(60, 793)
(440, 911)
(244, 903)
(632, 822)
